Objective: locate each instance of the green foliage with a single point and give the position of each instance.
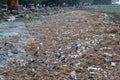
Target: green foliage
(102, 1)
(70, 2)
(111, 10)
(20, 1)
(3, 1)
(86, 1)
(28, 1)
(23, 1)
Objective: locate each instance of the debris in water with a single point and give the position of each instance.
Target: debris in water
(73, 75)
(77, 62)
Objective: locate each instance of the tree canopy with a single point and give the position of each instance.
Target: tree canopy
(102, 2)
(28, 1)
(70, 2)
(3, 1)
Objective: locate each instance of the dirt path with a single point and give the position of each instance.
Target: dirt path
(73, 45)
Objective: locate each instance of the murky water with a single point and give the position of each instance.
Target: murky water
(8, 29)
(11, 29)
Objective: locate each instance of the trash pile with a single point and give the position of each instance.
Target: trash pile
(29, 13)
(76, 45)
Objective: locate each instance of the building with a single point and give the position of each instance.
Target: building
(116, 2)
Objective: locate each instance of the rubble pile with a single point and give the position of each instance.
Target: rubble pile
(75, 45)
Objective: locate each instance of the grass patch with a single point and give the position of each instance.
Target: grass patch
(115, 11)
(109, 10)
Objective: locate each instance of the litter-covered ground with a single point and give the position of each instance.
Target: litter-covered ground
(75, 45)
(28, 13)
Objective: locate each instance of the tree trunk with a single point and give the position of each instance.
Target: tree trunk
(13, 4)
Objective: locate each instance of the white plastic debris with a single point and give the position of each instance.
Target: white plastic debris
(38, 48)
(92, 73)
(11, 18)
(68, 47)
(27, 16)
(2, 77)
(108, 54)
(20, 60)
(112, 77)
(62, 58)
(91, 68)
(73, 75)
(41, 44)
(75, 35)
(113, 64)
(33, 70)
(60, 49)
(10, 54)
(73, 56)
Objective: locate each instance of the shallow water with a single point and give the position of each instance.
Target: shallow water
(8, 29)
(11, 29)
